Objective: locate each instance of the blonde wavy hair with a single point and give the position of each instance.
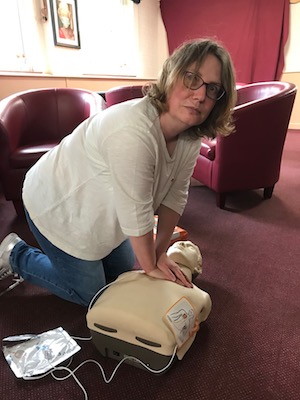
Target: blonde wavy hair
(191, 53)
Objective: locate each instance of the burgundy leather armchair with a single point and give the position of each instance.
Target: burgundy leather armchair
(31, 123)
(122, 93)
(249, 158)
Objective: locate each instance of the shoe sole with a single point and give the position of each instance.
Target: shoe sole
(7, 241)
(3, 247)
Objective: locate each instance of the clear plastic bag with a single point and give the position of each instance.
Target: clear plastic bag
(30, 355)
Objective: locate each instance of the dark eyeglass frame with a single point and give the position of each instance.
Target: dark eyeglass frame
(220, 91)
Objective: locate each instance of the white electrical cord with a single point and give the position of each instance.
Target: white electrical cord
(106, 380)
(71, 373)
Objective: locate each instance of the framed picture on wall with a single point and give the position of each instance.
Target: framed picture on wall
(65, 23)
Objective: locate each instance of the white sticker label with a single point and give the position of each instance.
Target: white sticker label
(183, 321)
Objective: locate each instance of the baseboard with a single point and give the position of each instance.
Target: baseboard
(294, 125)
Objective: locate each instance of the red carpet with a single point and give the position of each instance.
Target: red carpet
(249, 348)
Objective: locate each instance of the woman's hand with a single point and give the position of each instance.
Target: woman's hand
(161, 268)
(169, 270)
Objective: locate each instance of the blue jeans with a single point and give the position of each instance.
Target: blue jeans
(68, 277)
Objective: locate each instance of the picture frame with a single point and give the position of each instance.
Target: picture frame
(65, 26)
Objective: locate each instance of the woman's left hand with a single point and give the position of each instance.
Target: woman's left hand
(168, 269)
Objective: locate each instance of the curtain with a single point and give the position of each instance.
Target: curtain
(253, 31)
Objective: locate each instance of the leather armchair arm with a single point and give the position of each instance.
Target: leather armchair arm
(207, 148)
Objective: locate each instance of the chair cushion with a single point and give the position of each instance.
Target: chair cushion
(26, 156)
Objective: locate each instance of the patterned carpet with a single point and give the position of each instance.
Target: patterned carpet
(248, 349)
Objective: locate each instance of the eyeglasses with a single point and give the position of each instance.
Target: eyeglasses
(193, 81)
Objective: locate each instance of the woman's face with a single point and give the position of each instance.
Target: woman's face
(188, 107)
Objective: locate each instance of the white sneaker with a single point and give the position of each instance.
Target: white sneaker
(6, 247)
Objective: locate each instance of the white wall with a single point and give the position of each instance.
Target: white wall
(152, 39)
(292, 49)
(98, 45)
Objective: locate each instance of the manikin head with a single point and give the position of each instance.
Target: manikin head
(188, 256)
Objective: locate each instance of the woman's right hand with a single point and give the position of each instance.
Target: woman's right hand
(169, 270)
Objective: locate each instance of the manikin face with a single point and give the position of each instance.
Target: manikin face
(186, 253)
(189, 107)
